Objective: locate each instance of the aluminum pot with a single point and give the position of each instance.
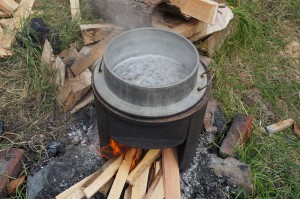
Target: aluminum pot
(156, 100)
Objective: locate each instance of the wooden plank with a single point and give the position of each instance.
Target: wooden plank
(122, 174)
(139, 186)
(5, 53)
(156, 190)
(4, 14)
(75, 9)
(19, 16)
(103, 178)
(74, 89)
(92, 56)
(224, 16)
(76, 190)
(203, 10)
(148, 159)
(1, 34)
(92, 33)
(186, 28)
(47, 53)
(73, 189)
(153, 172)
(128, 191)
(105, 188)
(280, 126)
(4, 23)
(86, 100)
(8, 6)
(60, 73)
(171, 176)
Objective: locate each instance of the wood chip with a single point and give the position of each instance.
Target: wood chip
(92, 56)
(8, 6)
(86, 100)
(74, 89)
(92, 33)
(60, 73)
(280, 126)
(4, 14)
(203, 10)
(176, 24)
(75, 9)
(19, 15)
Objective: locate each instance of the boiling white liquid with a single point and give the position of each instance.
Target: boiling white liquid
(151, 70)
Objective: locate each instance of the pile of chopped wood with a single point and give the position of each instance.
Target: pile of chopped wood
(197, 19)
(155, 176)
(11, 14)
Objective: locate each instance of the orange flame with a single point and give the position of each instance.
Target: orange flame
(136, 159)
(114, 148)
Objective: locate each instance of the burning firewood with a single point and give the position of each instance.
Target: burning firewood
(120, 166)
(122, 174)
(146, 162)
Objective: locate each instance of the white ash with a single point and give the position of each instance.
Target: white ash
(151, 70)
(199, 181)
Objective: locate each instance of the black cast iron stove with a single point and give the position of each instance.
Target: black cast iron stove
(151, 92)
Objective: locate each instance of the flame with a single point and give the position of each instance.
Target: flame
(114, 148)
(136, 159)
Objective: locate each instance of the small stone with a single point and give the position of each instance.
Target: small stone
(10, 166)
(248, 100)
(237, 172)
(212, 107)
(55, 148)
(37, 32)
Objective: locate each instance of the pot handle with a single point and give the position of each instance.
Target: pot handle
(100, 68)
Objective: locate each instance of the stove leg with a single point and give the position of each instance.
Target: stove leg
(102, 125)
(187, 150)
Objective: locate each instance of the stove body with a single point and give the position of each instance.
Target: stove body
(152, 118)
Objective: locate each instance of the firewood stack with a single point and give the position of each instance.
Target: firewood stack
(11, 16)
(193, 19)
(131, 176)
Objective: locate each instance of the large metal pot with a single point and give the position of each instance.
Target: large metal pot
(159, 97)
(158, 115)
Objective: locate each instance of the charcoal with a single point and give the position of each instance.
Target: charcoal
(56, 148)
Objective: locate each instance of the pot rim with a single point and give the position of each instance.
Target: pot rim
(196, 66)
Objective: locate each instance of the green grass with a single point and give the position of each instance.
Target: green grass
(27, 91)
(251, 58)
